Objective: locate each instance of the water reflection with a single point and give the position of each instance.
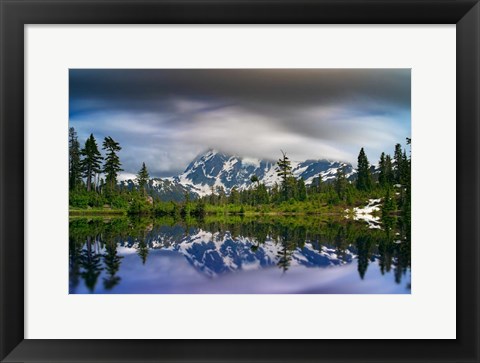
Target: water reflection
(217, 254)
(111, 260)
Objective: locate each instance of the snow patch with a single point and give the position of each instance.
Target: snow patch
(366, 213)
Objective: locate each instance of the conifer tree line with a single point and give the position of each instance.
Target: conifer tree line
(391, 182)
(93, 177)
(88, 163)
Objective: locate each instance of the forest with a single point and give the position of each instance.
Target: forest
(95, 189)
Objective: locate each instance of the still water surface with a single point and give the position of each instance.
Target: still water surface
(293, 255)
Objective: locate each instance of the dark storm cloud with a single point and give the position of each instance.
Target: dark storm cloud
(155, 89)
(157, 113)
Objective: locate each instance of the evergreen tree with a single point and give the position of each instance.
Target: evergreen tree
(341, 184)
(382, 176)
(254, 179)
(262, 194)
(222, 195)
(389, 204)
(275, 193)
(291, 188)
(284, 171)
(91, 160)
(389, 177)
(212, 198)
(199, 210)
(234, 197)
(406, 200)
(142, 178)
(397, 164)
(301, 190)
(186, 207)
(364, 177)
(111, 167)
(404, 172)
(74, 167)
(317, 184)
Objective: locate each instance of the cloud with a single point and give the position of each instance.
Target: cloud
(166, 117)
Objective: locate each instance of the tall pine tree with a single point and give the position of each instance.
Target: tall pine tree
(91, 160)
(382, 176)
(364, 177)
(142, 178)
(301, 190)
(284, 171)
(397, 164)
(74, 167)
(112, 164)
(254, 179)
(389, 177)
(408, 187)
(317, 184)
(404, 172)
(341, 183)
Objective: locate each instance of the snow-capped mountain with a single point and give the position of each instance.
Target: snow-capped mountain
(166, 189)
(214, 169)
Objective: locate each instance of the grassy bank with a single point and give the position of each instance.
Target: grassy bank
(286, 208)
(97, 212)
(210, 210)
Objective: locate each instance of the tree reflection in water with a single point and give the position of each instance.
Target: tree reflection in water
(312, 242)
(90, 264)
(111, 260)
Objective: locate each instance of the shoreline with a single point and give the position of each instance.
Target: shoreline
(97, 212)
(122, 212)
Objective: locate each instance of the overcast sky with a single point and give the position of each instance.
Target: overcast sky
(166, 117)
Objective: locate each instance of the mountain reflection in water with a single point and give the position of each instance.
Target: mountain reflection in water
(294, 254)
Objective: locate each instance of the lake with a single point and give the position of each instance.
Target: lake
(238, 255)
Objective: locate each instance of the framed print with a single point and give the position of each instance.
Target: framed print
(239, 181)
(244, 222)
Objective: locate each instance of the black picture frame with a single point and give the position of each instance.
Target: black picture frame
(15, 14)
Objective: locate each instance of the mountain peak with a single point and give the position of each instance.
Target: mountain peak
(214, 169)
(210, 152)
